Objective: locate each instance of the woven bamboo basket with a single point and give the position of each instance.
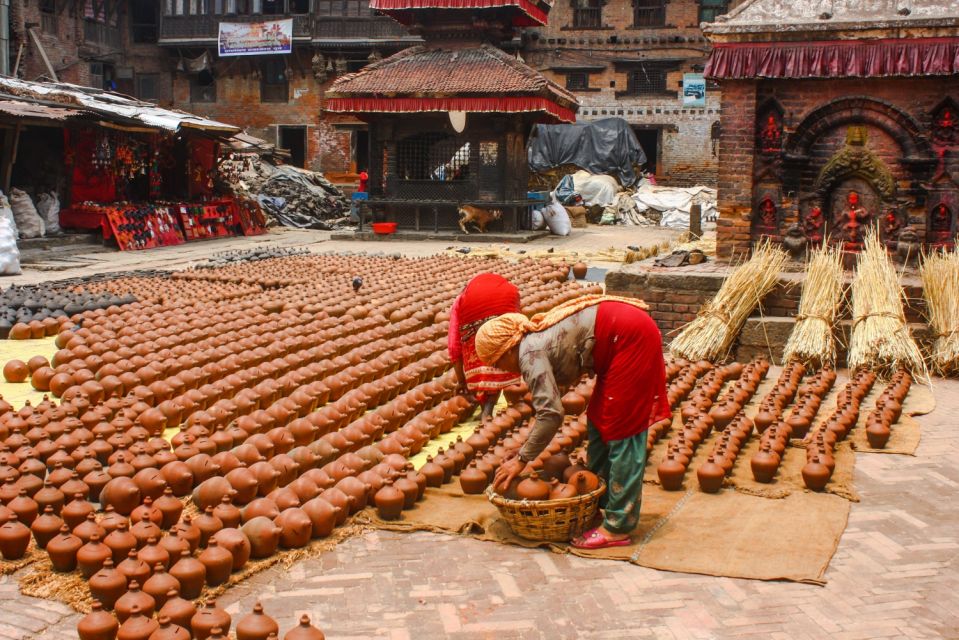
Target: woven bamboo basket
(548, 520)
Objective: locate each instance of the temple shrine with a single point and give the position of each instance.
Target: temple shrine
(854, 114)
(449, 119)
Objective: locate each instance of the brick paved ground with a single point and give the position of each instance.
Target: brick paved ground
(895, 575)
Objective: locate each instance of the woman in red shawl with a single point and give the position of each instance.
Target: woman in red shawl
(486, 296)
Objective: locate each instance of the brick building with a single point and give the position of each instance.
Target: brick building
(627, 58)
(836, 121)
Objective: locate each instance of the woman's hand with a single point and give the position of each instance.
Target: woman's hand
(507, 471)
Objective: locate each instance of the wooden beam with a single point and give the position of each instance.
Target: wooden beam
(10, 147)
(43, 54)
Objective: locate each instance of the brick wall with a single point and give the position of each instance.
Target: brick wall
(801, 101)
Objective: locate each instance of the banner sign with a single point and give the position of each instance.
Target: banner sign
(694, 90)
(256, 38)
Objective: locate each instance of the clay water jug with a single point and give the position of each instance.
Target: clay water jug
(191, 573)
(323, 516)
(304, 631)
(264, 536)
(816, 474)
(187, 531)
(218, 562)
(208, 618)
(98, 624)
(160, 584)
(108, 584)
(169, 631)
(710, 475)
(389, 501)
(177, 609)
(297, 528)
(137, 626)
(533, 488)
(472, 480)
(671, 473)
(91, 556)
(134, 598)
(764, 464)
(256, 625)
(46, 527)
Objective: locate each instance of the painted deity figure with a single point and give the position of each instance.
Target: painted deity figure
(946, 127)
(770, 137)
(940, 225)
(767, 213)
(891, 225)
(813, 225)
(853, 222)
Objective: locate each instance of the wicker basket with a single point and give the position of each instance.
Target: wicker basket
(548, 520)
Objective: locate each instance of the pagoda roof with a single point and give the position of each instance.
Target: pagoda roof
(528, 13)
(478, 78)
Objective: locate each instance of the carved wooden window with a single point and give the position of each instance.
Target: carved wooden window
(343, 8)
(48, 16)
(649, 13)
(577, 80)
(710, 9)
(646, 79)
(143, 21)
(587, 14)
(274, 83)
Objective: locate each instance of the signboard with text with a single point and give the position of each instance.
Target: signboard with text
(694, 90)
(255, 38)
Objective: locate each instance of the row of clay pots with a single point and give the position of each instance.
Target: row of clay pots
(887, 410)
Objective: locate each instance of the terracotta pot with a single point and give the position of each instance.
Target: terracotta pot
(46, 527)
(62, 550)
(153, 554)
(137, 626)
(710, 475)
(170, 508)
(208, 524)
(191, 573)
(122, 494)
(533, 488)
(473, 481)
(178, 610)
(208, 618)
(120, 542)
(135, 569)
(188, 531)
(168, 630)
(211, 491)
(236, 542)
(815, 474)
(764, 464)
(264, 536)
(107, 584)
(322, 515)
(218, 562)
(98, 624)
(160, 584)
(671, 473)
(134, 598)
(304, 631)
(297, 528)
(91, 556)
(256, 625)
(178, 477)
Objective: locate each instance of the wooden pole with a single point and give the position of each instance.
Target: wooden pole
(695, 222)
(10, 157)
(43, 54)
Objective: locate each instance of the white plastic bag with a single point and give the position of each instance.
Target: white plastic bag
(7, 213)
(9, 253)
(557, 219)
(537, 221)
(29, 222)
(48, 206)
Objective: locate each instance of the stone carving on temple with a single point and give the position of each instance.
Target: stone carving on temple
(889, 226)
(945, 126)
(794, 241)
(770, 135)
(941, 226)
(767, 215)
(813, 225)
(852, 222)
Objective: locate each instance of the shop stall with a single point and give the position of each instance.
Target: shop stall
(142, 175)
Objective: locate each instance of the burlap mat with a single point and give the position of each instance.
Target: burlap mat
(726, 534)
(904, 435)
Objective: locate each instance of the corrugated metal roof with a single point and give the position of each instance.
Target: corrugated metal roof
(23, 109)
(107, 104)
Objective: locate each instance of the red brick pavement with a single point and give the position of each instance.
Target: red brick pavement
(895, 575)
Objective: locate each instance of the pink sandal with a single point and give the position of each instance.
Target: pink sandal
(593, 539)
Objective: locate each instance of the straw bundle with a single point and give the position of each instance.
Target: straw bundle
(710, 335)
(940, 283)
(880, 339)
(811, 341)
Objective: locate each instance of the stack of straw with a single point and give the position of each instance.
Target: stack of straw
(940, 283)
(811, 341)
(880, 337)
(710, 335)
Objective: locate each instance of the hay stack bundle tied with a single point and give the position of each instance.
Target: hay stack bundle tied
(811, 341)
(710, 335)
(940, 284)
(880, 338)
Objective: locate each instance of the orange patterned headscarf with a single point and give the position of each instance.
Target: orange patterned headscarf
(499, 335)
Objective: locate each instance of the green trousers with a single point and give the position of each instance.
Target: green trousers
(622, 464)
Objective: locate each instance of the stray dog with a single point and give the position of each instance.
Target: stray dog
(477, 216)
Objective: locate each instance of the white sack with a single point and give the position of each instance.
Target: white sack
(537, 220)
(9, 253)
(29, 222)
(48, 206)
(7, 213)
(598, 190)
(557, 219)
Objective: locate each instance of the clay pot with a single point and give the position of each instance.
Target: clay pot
(211, 491)
(62, 549)
(218, 562)
(160, 584)
(322, 515)
(187, 531)
(304, 631)
(671, 473)
(135, 569)
(208, 524)
(179, 611)
(533, 488)
(244, 484)
(473, 481)
(256, 625)
(559, 490)
(877, 433)
(297, 528)
(137, 626)
(169, 631)
(46, 527)
(584, 482)
(816, 474)
(764, 464)
(134, 598)
(169, 507)
(260, 507)
(208, 618)
(573, 403)
(236, 542)
(178, 477)
(389, 501)
(122, 494)
(98, 624)
(227, 512)
(435, 475)
(579, 270)
(264, 536)
(191, 573)
(710, 476)
(153, 554)
(107, 584)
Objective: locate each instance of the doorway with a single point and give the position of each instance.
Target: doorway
(293, 139)
(649, 141)
(361, 150)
